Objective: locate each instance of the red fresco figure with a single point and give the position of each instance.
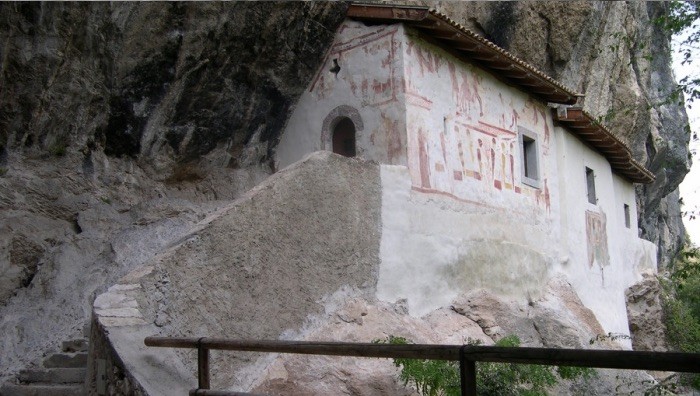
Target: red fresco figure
(464, 95)
(393, 138)
(453, 78)
(469, 94)
(546, 132)
(597, 239)
(437, 60)
(478, 156)
(424, 160)
(425, 63)
(376, 87)
(460, 148)
(444, 150)
(493, 158)
(512, 166)
(475, 84)
(503, 162)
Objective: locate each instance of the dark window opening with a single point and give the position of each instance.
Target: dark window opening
(590, 186)
(344, 138)
(336, 67)
(627, 216)
(530, 157)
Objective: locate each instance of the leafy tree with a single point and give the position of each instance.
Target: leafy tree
(682, 305)
(682, 21)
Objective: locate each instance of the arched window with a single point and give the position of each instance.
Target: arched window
(344, 138)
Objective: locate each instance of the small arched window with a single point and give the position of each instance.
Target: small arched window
(344, 138)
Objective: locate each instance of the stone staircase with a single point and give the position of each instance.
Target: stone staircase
(63, 374)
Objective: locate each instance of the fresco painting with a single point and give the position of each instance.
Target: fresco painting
(480, 152)
(376, 90)
(473, 148)
(461, 150)
(393, 136)
(597, 239)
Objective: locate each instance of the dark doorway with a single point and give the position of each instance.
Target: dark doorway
(344, 138)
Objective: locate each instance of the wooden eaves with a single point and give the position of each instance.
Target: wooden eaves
(588, 129)
(507, 67)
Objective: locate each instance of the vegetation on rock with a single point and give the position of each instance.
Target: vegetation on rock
(682, 21)
(682, 305)
(437, 377)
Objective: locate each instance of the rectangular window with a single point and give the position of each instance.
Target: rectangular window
(627, 216)
(590, 186)
(529, 156)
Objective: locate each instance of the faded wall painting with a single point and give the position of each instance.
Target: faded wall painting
(597, 239)
(363, 71)
(463, 132)
(376, 50)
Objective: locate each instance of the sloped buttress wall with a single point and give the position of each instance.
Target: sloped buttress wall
(301, 243)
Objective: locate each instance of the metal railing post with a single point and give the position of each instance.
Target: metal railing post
(202, 366)
(467, 373)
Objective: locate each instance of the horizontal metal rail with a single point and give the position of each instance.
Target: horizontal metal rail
(465, 354)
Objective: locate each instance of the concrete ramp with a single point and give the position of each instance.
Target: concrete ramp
(264, 267)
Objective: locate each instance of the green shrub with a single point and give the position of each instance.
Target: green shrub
(682, 306)
(441, 378)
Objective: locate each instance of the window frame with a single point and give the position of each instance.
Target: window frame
(590, 186)
(529, 147)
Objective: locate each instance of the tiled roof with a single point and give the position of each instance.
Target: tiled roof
(474, 48)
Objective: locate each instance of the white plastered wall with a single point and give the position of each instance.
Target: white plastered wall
(600, 285)
(370, 80)
(458, 217)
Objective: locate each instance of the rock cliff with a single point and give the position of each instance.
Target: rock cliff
(122, 125)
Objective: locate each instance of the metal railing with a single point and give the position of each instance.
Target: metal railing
(466, 355)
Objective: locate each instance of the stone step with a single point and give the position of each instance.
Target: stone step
(10, 389)
(67, 360)
(77, 345)
(53, 375)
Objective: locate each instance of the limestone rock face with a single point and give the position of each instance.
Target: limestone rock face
(121, 126)
(645, 313)
(369, 321)
(165, 84)
(474, 316)
(557, 320)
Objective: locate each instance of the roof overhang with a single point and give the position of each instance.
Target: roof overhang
(595, 134)
(505, 66)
